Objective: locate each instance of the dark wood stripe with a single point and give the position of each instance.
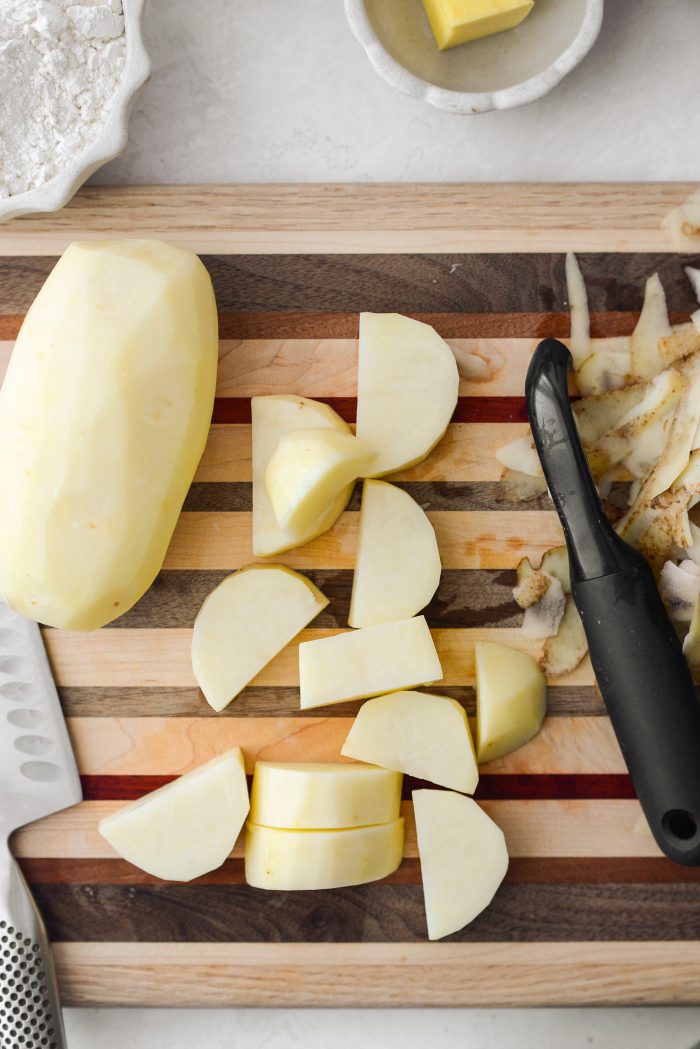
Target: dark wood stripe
(314, 325)
(236, 496)
(371, 913)
(523, 870)
(522, 787)
(431, 283)
(468, 410)
(257, 701)
(465, 598)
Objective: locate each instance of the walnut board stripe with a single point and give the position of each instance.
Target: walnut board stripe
(545, 828)
(474, 218)
(276, 701)
(464, 598)
(377, 913)
(291, 268)
(422, 974)
(153, 657)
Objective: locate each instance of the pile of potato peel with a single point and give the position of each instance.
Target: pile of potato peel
(638, 415)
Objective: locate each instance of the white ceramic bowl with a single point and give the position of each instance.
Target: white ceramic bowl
(111, 139)
(497, 72)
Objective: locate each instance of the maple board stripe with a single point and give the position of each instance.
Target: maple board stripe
(169, 746)
(154, 657)
(467, 539)
(522, 870)
(526, 913)
(526, 787)
(592, 828)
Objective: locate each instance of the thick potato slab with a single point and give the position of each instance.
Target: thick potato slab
(318, 796)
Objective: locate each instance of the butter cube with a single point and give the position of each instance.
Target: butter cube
(458, 21)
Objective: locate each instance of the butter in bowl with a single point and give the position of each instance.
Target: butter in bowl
(471, 56)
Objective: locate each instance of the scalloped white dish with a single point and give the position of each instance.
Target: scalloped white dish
(111, 138)
(497, 72)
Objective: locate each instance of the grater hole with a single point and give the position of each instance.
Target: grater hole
(26, 1017)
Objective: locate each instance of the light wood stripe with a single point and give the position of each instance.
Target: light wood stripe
(466, 453)
(328, 367)
(328, 219)
(170, 746)
(544, 828)
(467, 539)
(152, 657)
(399, 974)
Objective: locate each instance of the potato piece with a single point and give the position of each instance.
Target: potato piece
(314, 796)
(511, 699)
(683, 340)
(367, 662)
(660, 400)
(321, 859)
(607, 368)
(463, 859)
(407, 387)
(579, 343)
(417, 733)
(104, 413)
(307, 472)
(397, 569)
(189, 826)
(520, 455)
(563, 652)
(246, 621)
(596, 414)
(542, 618)
(273, 417)
(518, 487)
(533, 583)
(652, 327)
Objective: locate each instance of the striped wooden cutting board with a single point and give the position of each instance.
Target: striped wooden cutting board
(590, 910)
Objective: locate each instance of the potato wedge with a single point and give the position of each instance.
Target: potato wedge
(417, 733)
(272, 418)
(189, 826)
(397, 567)
(511, 699)
(407, 387)
(245, 622)
(463, 859)
(367, 662)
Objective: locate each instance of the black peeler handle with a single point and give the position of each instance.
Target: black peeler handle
(635, 651)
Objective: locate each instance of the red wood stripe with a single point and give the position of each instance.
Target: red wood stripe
(276, 325)
(521, 871)
(524, 787)
(468, 410)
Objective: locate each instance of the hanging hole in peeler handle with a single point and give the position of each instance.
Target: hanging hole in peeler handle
(680, 825)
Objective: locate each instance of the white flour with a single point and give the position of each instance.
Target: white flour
(61, 62)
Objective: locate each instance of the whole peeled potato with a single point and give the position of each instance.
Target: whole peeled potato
(104, 413)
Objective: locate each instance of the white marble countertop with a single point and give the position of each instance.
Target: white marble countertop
(275, 91)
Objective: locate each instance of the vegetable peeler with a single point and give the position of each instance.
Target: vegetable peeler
(635, 651)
